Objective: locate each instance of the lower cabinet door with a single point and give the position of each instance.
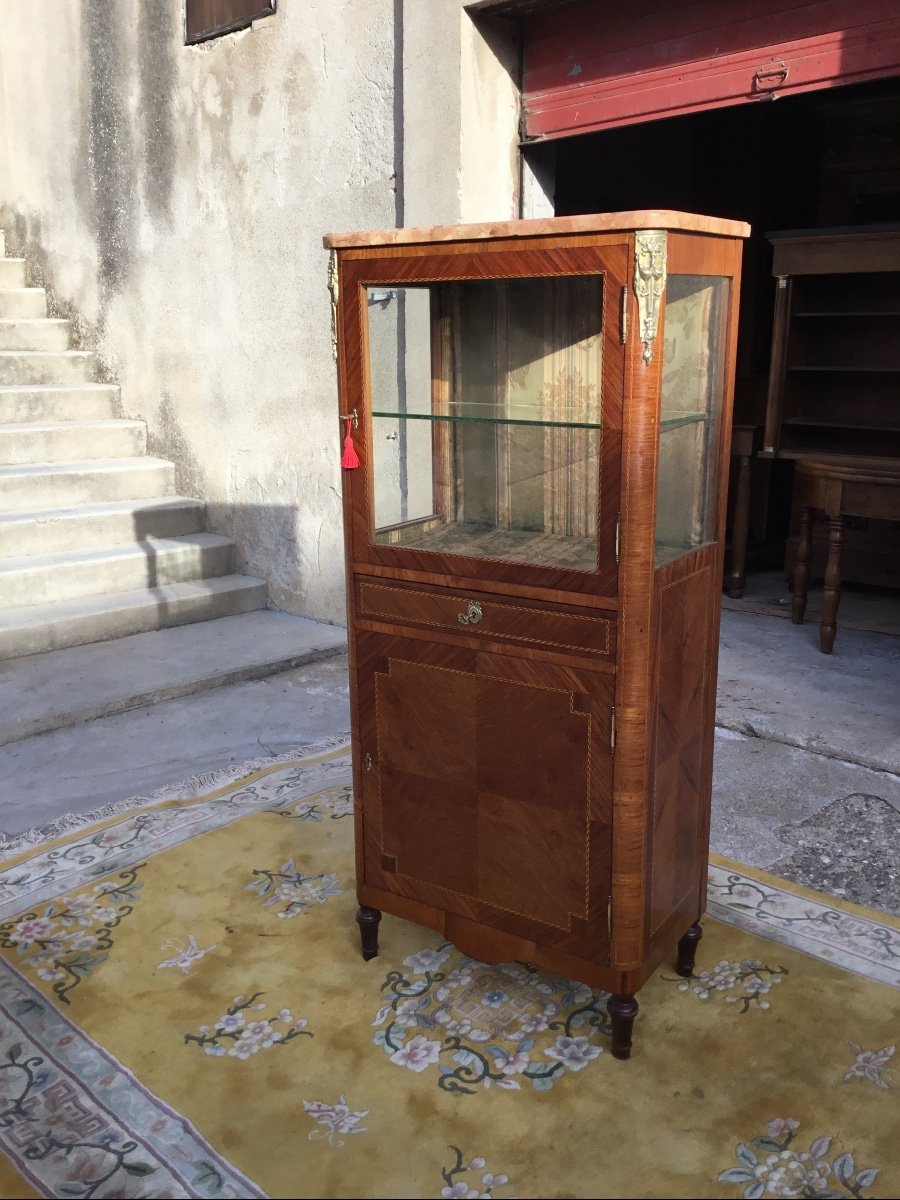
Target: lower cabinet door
(490, 788)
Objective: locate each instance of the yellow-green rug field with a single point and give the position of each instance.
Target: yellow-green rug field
(184, 1012)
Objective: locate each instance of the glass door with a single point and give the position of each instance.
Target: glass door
(494, 421)
(692, 396)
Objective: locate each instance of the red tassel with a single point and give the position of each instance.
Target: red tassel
(349, 459)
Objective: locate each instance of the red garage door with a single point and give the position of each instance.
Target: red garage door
(600, 64)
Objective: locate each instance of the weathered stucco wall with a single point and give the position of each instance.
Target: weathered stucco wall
(173, 199)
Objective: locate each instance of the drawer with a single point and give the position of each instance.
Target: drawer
(475, 614)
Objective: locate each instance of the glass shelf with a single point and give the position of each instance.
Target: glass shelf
(512, 417)
(683, 419)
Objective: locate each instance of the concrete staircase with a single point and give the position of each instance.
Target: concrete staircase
(94, 542)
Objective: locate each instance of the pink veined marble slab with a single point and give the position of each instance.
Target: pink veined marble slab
(643, 218)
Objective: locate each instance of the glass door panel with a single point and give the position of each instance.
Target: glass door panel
(693, 377)
(486, 418)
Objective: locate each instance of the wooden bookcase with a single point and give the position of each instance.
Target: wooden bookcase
(834, 383)
(541, 412)
(835, 367)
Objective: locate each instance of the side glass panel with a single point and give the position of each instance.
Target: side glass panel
(693, 372)
(486, 418)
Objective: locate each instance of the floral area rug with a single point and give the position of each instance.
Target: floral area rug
(184, 1012)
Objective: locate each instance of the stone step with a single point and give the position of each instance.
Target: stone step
(93, 481)
(87, 402)
(153, 562)
(43, 692)
(65, 441)
(41, 627)
(12, 272)
(90, 526)
(23, 302)
(44, 333)
(45, 366)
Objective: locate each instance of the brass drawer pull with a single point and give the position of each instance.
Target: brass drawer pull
(472, 615)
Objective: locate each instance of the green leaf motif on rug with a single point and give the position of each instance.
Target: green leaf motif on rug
(290, 887)
(67, 940)
(782, 1171)
(237, 1037)
(494, 1025)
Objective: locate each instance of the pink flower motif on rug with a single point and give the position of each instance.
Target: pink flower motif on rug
(185, 955)
(239, 1038)
(65, 941)
(750, 978)
(292, 889)
(488, 1026)
(335, 1119)
(869, 1064)
(769, 1166)
(475, 1188)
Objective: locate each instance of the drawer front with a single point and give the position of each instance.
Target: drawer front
(475, 614)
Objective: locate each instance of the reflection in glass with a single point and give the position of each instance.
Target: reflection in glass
(486, 418)
(693, 372)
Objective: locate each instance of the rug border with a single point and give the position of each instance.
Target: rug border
(206, 785)
(807, 893)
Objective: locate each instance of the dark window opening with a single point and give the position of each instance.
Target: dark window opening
(205, 19)
(829, 158)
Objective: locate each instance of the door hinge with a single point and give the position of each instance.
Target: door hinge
(609, 916)
(612, 728)
(618, 535)
(623, 316)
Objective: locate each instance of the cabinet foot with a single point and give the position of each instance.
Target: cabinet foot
(622, 1011)
(687, 951)
(367, 919)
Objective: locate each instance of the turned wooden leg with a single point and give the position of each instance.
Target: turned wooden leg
(622, 1011)
(831, 594)
(737, 576)
(687, 951)
(801, 566)
(367, 919)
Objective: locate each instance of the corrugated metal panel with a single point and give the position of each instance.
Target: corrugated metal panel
(598, 65)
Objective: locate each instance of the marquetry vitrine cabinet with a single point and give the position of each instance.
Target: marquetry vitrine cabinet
(535, 418)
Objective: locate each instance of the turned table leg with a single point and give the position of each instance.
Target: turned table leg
(737, 575)
(801, 566)
(687, 951)
(622, 1011)
(367, 919)
(831, 593)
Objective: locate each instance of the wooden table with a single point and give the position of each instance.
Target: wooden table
(839, 486)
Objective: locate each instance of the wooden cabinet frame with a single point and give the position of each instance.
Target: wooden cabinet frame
(574, 713)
